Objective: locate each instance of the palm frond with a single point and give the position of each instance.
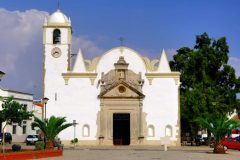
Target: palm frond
(52, 126)
(217, 125)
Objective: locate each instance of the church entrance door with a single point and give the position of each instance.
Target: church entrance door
(121, 129)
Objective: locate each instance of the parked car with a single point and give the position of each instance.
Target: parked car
(32, 139)
(231, 143)
(212, 142)
(204, 140)
(58, 143)
(8, 137)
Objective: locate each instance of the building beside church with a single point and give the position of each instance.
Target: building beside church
(118, 98)
(19, 133)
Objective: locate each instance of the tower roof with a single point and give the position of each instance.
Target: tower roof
(58, 19)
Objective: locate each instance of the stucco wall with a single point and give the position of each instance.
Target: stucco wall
(78, 99)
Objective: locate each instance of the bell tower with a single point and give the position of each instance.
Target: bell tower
(57, 42)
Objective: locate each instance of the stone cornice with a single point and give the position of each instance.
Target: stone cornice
(163, 75)
(175, 75)
(52, 25)
(68, 75)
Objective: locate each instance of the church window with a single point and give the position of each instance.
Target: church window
(151, 131)
(14, 129)
(56, 36)
(25, 107)
(168, 131)
(24, 127)
(86, 130)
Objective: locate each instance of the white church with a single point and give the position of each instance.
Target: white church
(118, 98)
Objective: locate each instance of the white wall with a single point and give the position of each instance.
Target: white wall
(78, 100)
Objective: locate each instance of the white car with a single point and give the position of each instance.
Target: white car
(32, 139)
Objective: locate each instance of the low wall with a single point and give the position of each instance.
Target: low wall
(30, 154)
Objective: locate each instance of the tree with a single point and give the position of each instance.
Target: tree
(12, 112)
(219, 127)
(51, 128)
(209, 84)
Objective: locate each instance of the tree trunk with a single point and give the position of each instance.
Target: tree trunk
(218, 148)
(3, 139)
(208, 137)
(49, 144)
(193, 133)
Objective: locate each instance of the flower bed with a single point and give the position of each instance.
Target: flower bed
(30, 155)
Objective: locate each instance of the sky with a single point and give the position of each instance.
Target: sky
(147, 26)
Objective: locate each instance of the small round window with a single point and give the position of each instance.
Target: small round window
(121, 89)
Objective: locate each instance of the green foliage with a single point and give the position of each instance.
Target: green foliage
(74, 141)
(209, 84)
(51, 127)
(13, 112)
(39, 145)
(219, 126)
(16, 147)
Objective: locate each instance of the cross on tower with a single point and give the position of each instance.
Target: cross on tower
(58, 4)
(121, 39)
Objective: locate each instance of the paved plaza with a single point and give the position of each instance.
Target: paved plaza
(143, 153)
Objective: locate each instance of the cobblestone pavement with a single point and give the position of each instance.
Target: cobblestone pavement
(145, 153)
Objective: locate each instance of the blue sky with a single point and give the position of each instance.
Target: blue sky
(148, 26)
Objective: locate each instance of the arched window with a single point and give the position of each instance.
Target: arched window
(151, 131)
(56, 36)
(86, 130)
(168, 131)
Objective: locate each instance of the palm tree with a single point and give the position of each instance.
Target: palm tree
(219, 127)
(51, 128)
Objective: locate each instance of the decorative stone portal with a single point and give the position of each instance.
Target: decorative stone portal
(121, 117)
(121, 129)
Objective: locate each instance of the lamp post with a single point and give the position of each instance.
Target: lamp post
(45, 100)
(74, 131)
(1, 75)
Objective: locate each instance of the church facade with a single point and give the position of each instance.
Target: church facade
(118, 98)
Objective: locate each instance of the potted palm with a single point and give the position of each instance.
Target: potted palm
(51, 128)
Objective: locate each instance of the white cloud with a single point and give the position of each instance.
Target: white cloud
(235, 63)
(90, 49)
(21, 49)
(19, 31)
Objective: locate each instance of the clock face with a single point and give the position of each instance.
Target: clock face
(56, 52)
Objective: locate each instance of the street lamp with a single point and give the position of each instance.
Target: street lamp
(74, 133)
(1, 75)
(45, 100)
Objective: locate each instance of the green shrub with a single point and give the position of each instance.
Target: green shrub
(74, 141)
(16, 147)
(39, 145)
